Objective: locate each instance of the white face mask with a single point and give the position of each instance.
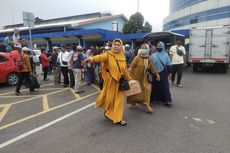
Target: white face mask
(107, 47)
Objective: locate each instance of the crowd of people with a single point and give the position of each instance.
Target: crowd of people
(152, 67)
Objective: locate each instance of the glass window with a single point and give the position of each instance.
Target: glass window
(181, 4)
(3, 59)
(214, 14)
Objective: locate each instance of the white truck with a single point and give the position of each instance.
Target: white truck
(210, 47)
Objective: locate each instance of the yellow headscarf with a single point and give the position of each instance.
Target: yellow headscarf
(121, 55)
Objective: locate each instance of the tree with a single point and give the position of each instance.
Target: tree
(135, 24)
(147, 27)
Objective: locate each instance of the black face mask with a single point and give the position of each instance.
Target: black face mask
(159, 49)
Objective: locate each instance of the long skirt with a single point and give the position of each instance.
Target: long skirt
(111, 99)
(161, 91)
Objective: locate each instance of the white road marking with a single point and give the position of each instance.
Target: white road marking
(197, 119)
(210, 121)
(22, 136)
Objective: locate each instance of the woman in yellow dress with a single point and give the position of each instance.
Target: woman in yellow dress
(139, 70)
(111, 99)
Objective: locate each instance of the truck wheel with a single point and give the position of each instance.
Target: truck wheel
(195, 67)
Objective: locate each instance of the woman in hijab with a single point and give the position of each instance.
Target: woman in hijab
(139, 69)
(160, 59)
(111, 99)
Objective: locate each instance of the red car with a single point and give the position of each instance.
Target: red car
(8, 70)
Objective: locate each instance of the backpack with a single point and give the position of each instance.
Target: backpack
(18, 60)
(33, 82)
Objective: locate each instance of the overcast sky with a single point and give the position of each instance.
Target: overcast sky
(153, 11)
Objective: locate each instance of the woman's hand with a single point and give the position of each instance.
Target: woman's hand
(87, 60)
(170, 76)
(158, 77)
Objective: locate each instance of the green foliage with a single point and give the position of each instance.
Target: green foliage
(136, 24)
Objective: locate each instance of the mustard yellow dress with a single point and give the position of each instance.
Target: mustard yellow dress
(138, 71)
(111, 99)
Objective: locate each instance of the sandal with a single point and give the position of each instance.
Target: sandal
(105, 115)
(149, 110)
(122, 123)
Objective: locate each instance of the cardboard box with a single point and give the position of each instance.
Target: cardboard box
(135, 88)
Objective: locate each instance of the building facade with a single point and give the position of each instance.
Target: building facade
(187, 14)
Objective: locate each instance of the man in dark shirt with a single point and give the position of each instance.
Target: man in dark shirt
(77, 61)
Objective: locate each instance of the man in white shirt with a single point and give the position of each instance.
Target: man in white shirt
(177, 54)
(17, 40)
(63, 59)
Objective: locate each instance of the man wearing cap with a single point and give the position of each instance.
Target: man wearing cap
(63, 59)
(26, 71)
(77, 61)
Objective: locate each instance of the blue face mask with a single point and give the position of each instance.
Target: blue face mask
(144, 52)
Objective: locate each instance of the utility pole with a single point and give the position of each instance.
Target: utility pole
(137, 5)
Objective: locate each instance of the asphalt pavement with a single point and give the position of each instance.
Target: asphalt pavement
(57, 121)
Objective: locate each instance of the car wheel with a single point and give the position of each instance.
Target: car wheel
(12, 79)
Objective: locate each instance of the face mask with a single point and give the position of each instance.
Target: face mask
(159, 49)
(144, 51)
(107, 47)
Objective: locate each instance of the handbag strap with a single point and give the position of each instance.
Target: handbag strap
(118, 65)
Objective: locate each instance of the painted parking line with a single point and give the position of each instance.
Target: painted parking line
(6, 93)
(45, 103)
(5, 107)
(38, 96)
(44, 97)
(43, 112)
(22, 136)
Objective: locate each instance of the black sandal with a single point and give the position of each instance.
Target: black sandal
(105, 115)
(123, 123)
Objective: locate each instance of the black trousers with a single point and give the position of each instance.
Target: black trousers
(177, 69)
(64, 71)
(71, 76)
(22, 76)
(45, 70)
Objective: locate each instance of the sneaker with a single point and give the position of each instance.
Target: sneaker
(168, 104)
(78, 92)
(180, 86)
(18, 93)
